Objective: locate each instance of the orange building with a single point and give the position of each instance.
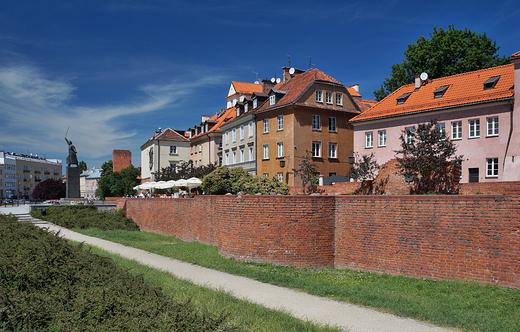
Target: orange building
(306, 114)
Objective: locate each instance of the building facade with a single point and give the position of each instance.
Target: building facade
(88, 182)
(476, 109)
(121, 159)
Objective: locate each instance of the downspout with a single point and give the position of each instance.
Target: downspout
(256, 143)
(511, 119)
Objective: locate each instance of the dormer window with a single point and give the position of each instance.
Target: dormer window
(272, 100)
(491, 82)
(246, 108)
(440, 91)
(238, 110)
(319, 96)
(255, 103)
(403, 98)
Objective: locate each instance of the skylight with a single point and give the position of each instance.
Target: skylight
(491, 82)
(402, 99)
(440, 91)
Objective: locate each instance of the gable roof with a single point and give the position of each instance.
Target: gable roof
(297, 85)
(515, 55)
(247, 88)
(463, 89)
(169, 134)
(220, 118)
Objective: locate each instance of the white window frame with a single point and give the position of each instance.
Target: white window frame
(492, 167)
(280, 150)
(474, 128)
(233, 135)
(242, 132)
(173, 150)
(328, 97)
(226, 137)
(339, 99)
(279, 120)
(227, 159)
(266, 126)
(266, 152)
(316, 122)
(316, 149)
(369, 139)
(280, 177)
(234, 157)
(381, 138)
(255, 103)
(250, 129)
(492, 126)
(442, 128)
(246, 107)
(319, 96)
(333, 150)
(272, 100)
(409, 135)
(242, 156)
(332, 124)
(251, 154)
(456, 130)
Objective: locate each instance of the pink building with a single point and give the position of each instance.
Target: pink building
(477, 110)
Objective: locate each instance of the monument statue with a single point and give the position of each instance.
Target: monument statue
(72, 159)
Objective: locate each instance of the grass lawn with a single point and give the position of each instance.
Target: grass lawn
(246, 316)
(468, 306)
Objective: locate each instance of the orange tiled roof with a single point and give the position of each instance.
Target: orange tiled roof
(297, 85)
(248, 88)
(169, 133)
(515, 55)
(464, 89)
(353, 92)
(228, 115)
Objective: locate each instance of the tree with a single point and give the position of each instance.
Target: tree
(185, 170)
(82, 165)
(50, 189)
(365, 168)
(117, 184)
(447, 52)
(429, 156)
(306, 170)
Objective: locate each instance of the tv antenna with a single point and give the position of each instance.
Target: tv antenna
(256, 75)
(310, 61)
(289, 62)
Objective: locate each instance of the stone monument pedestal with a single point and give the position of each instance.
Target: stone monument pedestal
(73, 182)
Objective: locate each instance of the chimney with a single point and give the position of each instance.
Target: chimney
(355, 87)
(418, 81)
(267, 85)
(286, 75)
(205, 118)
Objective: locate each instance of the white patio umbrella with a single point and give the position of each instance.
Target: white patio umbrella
(165, 184)
(193, 183)
(147, 185)
(181, 183)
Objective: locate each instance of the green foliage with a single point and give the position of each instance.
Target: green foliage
(82, 165)
(365, 168)
(117, 184)
(445, 53)
(50, 189)
(185, 170)
(430, 157)
(234, 180)
(306, 170)
(47, 284)
(86, 216)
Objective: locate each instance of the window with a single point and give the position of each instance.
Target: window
(266, 151)
(220, 144)
(234, 157)
(316, 149)
(280, 122)
(242, 156)
(266, 175)
(474, 128)
(246, 108)
(316, 123)
(173, 149)
(272, 99)
(255, 103)
(439, 93)
(234, 135)
(410, 135)
(441, 127)
(381, 138)
(332, 123)
(200, 147)
(250, 129)
(369, 139)
(492, 167)
(333, 150)
(402, 99)
(266, 125)
(491, 82)
(339, 99)
(227, 159)
(456, 130)
(328, 97)
(280, 150)
(251, 158)
(319, 96)
(492, 126)
(280, 177)
(226, 137)
(242, 132)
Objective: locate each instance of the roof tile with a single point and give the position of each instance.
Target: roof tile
(248, 88)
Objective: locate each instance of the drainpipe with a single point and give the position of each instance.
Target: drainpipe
(511, 119)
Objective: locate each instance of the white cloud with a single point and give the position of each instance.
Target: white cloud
(36, 112)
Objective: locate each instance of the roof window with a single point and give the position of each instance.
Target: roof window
(491, 82)
(440, 91)
(402, 99)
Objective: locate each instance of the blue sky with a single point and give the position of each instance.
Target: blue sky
(114, 71)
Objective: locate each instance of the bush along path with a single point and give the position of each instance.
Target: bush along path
(47, 284)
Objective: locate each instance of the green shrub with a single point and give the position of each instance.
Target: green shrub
(86, 216)
(48, 284)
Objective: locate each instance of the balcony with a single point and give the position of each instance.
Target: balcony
(56, 173)
(47, 172)
(37, 172)
(26, 171)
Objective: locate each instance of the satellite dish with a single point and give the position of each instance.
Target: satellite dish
(256, 82)
(278, 80)
(291, 71)
(424, 76)
(273, 80)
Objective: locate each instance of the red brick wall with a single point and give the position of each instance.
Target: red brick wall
(121, 159)
(287, 230)
(472, 237)
(439, 237)
(497, 188)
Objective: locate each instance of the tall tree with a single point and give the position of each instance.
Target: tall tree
(306, 171)
(445, 53)
(117, 184)
(82, 165)
(429, 156)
